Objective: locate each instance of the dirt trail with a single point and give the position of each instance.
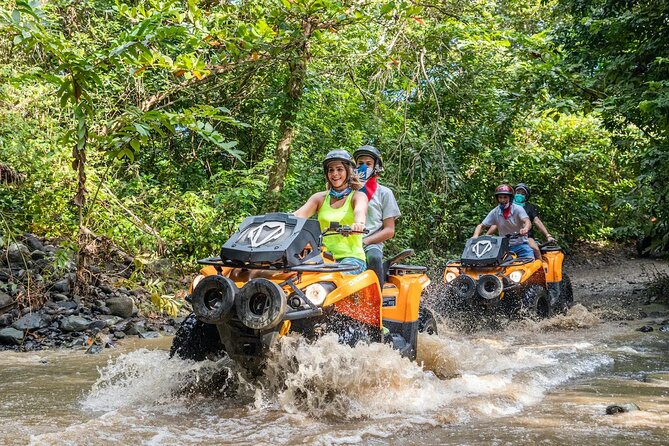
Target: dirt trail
(612, 282)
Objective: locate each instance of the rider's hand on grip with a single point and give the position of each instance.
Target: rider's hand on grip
(358, 227)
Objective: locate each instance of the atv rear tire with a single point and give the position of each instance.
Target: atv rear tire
(426, 322)
(566, 293)
(536, 302)
(196, 340)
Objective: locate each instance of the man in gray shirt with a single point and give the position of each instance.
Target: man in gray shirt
(509, 218)
(381, 211)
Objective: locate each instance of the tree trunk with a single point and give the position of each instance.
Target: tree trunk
(83, 237)
(297, 72)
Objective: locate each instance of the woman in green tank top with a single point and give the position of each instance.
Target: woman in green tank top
(341, 203)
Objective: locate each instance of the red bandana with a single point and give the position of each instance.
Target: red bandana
(507, 211)
(370, 187)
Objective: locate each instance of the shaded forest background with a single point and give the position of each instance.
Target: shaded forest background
(161, 124)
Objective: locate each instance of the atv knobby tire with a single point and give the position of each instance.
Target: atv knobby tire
(566, 293)
(426, 322)
(196, 340)
(261, 304)
(536, 303)
(213, 298)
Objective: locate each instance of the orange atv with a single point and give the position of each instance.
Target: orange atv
(272, 278)
(489, 276)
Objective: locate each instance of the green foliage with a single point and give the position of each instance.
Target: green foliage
(618, 52)
(181, 106)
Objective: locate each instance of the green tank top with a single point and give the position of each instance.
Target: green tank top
(339, 245)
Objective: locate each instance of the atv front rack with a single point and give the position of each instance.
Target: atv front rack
(304, 268)
(512, 262)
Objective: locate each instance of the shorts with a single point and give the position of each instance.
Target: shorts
(523, 250)
(361, 264)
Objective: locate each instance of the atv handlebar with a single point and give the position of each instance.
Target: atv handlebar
(336, 229)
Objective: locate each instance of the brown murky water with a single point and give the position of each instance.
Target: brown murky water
(530, 383)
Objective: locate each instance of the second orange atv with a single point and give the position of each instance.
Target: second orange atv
(272, 278)
(489, 277)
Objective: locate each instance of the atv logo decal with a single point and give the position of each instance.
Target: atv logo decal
(481, 248)
(276, 229)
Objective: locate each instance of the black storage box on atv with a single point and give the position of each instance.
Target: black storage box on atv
(485, 250)
(273, 238)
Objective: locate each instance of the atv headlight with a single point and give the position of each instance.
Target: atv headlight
(516, 276)
(450, 276)
(317, 292)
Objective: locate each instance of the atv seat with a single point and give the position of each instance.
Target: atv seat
(388, 264)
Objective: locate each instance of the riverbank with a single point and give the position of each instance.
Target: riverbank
(614, 283)
(41, 309)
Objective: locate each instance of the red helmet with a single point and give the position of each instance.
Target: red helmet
(504, 189)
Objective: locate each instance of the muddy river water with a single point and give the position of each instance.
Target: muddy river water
(530, 383)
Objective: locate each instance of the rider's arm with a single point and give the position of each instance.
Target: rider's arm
(487, 222)
(359, 211)
(492, 230)
(526, 226)
(478, 230)
(311, 206)
(542, 228)
(386, 232)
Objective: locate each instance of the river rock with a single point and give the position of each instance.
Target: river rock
(66, 305)
(62, 286)
(74, 323)
(5, 300)
(120, 306)
(57, 297)
(6, 319)
(103, 310)
(97, 325)
(11, 336)
(37, 255)
(149, 335)
(31, 321)
(135, 328)
(620, 408)
(34, 243)
(17, 253)
(111, 319)
(645, 329)
(119, 335)
(5, 274)
(44, 265)
(664, 329)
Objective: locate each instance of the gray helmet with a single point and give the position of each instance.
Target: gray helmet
(337, 155)
(524, 187)
(374, 153)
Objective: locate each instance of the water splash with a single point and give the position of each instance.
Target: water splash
(577, 317)
(145, 377)
(323, 392)
(328, 379)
